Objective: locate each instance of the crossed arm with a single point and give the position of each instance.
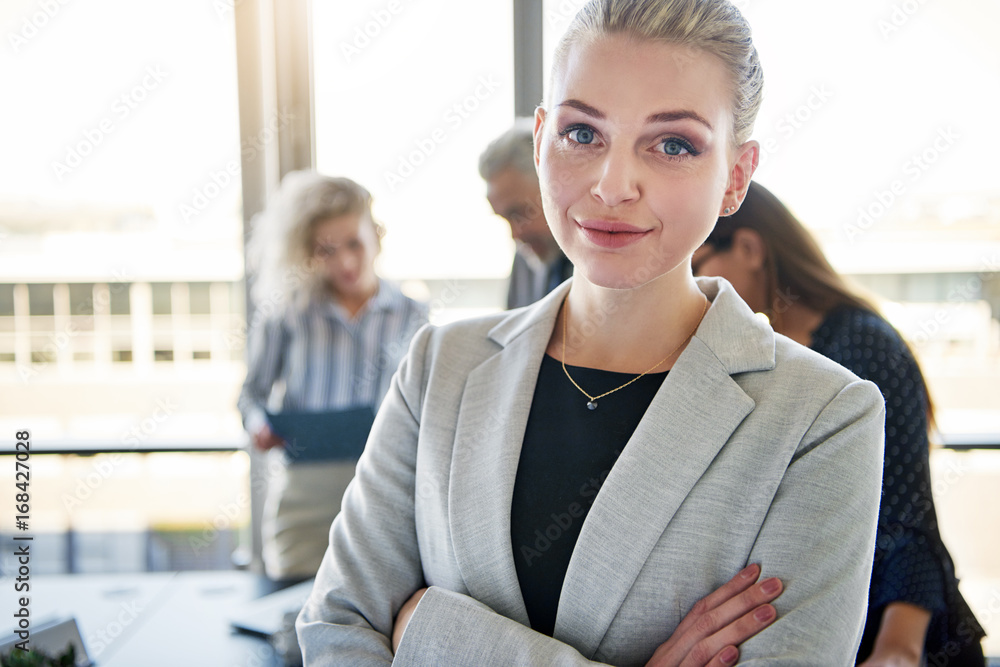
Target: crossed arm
(371, 587)
(709, 635)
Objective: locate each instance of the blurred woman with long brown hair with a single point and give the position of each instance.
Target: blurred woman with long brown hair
(914, 605)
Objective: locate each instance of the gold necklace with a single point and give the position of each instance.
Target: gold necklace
(592, 402)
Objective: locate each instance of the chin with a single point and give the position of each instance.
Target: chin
(621, 273)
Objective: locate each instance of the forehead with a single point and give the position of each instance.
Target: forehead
(631, 78)
(341, 226)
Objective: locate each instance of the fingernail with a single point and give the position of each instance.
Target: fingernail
(749, 571)
(764, 614)
(729, 655)
(771, 586)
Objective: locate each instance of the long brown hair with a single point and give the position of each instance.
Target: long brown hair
(795, 266)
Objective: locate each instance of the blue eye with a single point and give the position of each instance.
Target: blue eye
(580, 134)
(677, 147)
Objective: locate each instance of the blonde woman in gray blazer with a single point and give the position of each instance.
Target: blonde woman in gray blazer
(751, 455)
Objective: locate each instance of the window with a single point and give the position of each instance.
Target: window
(120, 301)
(904, 212)
(161, 298)
(117, 186)
(117, 203)
(404, 110)
(7, 338)
(6, 300)
(40, 300)
(200, 298)
(81, 299)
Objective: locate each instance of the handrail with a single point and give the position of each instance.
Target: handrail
(958, 442)
(93, 447)
(970, 441)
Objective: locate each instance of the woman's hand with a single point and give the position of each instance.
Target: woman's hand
(719, 622)
(403, 617)
(265, 438)
(900, 638)
(707, 636)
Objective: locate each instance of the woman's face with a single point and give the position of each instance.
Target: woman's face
(343, 252)
(635, 158)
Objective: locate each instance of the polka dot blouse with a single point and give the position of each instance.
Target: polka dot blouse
(911, 562)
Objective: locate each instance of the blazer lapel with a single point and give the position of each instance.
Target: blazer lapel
(676, 441)
(488, 437)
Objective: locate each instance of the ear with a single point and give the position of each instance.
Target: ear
(539, 128)
(744, 165)
(749, 248)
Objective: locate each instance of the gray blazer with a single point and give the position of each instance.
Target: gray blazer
(754, 450)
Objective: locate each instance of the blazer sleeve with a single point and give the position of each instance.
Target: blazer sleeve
(449, 628)
(372, 565)
(819, 536)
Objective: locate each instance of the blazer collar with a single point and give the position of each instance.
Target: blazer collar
(740, 340)
(542, 314)
(678, 438)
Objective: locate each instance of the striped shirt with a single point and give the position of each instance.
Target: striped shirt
(320, 358)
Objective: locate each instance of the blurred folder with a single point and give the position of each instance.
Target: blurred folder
(335, 435)
(265, 616)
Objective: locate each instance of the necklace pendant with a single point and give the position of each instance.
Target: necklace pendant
(591, 405)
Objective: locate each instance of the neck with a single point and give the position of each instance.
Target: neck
(628, 330)
(355, 302)
(798, 322)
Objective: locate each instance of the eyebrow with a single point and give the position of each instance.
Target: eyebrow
(662, 117)
(584, 107)
(667, 116)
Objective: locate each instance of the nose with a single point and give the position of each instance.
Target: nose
(617, 182)
(350, 261)
(341, 261)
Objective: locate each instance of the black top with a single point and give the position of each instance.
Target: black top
(911, 562)
(567, 454)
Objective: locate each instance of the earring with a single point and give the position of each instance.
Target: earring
(726, 211)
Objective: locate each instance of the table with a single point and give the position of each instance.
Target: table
(152, 619)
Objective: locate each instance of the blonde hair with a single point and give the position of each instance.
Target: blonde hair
(712, 26)
(281, 241)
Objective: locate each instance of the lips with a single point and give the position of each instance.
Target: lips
(348, 279)
(609, 234)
